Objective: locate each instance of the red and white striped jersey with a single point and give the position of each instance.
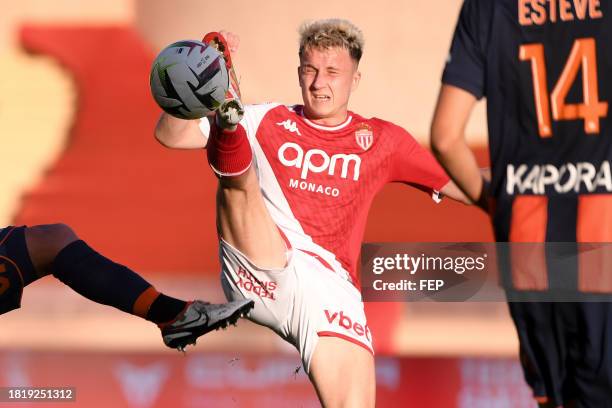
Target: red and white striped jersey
(318, 182)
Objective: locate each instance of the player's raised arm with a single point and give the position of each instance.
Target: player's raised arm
(450, 147)
(177, 70)
(178, 133)
(414, 165)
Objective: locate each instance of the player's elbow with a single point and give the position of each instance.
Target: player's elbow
(164, 135)
(162, 138)
(442, 139)
(159, 133)
(176, 133)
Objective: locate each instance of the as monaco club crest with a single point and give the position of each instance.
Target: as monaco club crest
(364, 136)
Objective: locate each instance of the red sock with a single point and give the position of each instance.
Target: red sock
(229, 152)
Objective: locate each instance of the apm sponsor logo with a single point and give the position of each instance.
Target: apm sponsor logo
(568, 178)
(318, 161)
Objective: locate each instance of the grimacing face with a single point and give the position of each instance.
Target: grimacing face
(327, 78)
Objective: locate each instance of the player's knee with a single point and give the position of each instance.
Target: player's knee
(46, 241)
(343, 373)
(58, 235)
(247, 182)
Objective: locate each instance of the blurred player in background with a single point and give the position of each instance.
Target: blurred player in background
(29, 253)
(544, 67)
(295, 186)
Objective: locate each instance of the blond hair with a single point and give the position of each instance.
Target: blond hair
(333, 32)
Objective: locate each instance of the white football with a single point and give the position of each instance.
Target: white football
(189, 79)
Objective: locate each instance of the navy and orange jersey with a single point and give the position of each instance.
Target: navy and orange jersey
(14, 264)
(544, 67)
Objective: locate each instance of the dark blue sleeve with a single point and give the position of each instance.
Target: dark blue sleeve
(465, 64)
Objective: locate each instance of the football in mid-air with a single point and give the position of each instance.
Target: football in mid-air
(189, 79)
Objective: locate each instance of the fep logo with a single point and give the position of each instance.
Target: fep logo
(318, 161)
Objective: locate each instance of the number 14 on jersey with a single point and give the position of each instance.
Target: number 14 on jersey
(582, 55)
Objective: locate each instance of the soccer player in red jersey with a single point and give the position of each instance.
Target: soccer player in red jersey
(544, 68)
(30, 253)
(295, 186)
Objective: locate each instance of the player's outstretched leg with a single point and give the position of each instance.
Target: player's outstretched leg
(242, 217)
(343, 374)
(34, 252)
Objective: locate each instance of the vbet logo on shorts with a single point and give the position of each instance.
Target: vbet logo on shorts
(318, 161)
(345, 322)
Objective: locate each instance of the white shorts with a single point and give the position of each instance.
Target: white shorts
(302, 302)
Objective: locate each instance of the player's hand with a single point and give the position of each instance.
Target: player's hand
(484, 201)
(232, 39)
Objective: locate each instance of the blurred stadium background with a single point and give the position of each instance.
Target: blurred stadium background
(76, 123)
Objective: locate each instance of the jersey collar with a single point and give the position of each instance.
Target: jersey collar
(300, 111)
